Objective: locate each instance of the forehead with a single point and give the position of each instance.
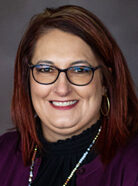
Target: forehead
(62, 48)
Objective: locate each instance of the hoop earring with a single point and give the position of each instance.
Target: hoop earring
(108, 107)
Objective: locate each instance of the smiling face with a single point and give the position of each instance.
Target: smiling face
(63, 108)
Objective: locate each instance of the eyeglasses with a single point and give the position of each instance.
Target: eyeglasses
(76, 75)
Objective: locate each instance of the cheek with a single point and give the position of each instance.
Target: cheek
(92, 96)
(38, 91)
(95, 99)
(93, 91)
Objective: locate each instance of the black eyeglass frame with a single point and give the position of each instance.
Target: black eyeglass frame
(31, 66)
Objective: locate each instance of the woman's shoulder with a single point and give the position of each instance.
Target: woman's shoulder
(9, 137)
(127, 156)
(130, 156)
(122, 170)
(131, 150)
(12, 168)
(124, 166)
(9, 141)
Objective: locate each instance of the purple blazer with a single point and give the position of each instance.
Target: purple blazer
(122, 171)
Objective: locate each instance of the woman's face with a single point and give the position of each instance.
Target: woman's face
(53, 103)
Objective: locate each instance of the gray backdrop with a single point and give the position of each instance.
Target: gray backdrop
(120, 17)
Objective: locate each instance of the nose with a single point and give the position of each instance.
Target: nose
(62, 86)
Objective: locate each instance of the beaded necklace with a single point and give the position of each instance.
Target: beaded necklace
(75, 168)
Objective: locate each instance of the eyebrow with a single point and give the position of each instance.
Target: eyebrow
(73, 63)
(80, 62)
(45, 61)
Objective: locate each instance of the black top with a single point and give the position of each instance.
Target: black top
(59, 158)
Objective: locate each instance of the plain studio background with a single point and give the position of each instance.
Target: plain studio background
(120, 17)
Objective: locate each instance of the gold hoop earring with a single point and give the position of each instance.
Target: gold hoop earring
(105, 113)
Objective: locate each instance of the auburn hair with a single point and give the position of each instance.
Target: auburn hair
(122, 121)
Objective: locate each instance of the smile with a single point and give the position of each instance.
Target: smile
(64, 104)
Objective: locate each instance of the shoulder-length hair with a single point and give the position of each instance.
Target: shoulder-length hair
(122, 121)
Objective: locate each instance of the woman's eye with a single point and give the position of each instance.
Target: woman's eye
(81, 69)
(44, 69)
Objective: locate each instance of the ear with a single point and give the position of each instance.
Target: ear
(104, 90)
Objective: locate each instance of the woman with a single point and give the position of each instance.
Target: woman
(74, 106)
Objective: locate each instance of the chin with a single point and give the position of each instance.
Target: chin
(64, 125)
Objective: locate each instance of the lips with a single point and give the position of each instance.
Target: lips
(64, 105)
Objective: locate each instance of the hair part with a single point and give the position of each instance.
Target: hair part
(122, 122)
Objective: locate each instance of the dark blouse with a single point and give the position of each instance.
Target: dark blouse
(59, 158)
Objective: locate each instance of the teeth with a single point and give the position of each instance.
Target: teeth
(66, 103)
